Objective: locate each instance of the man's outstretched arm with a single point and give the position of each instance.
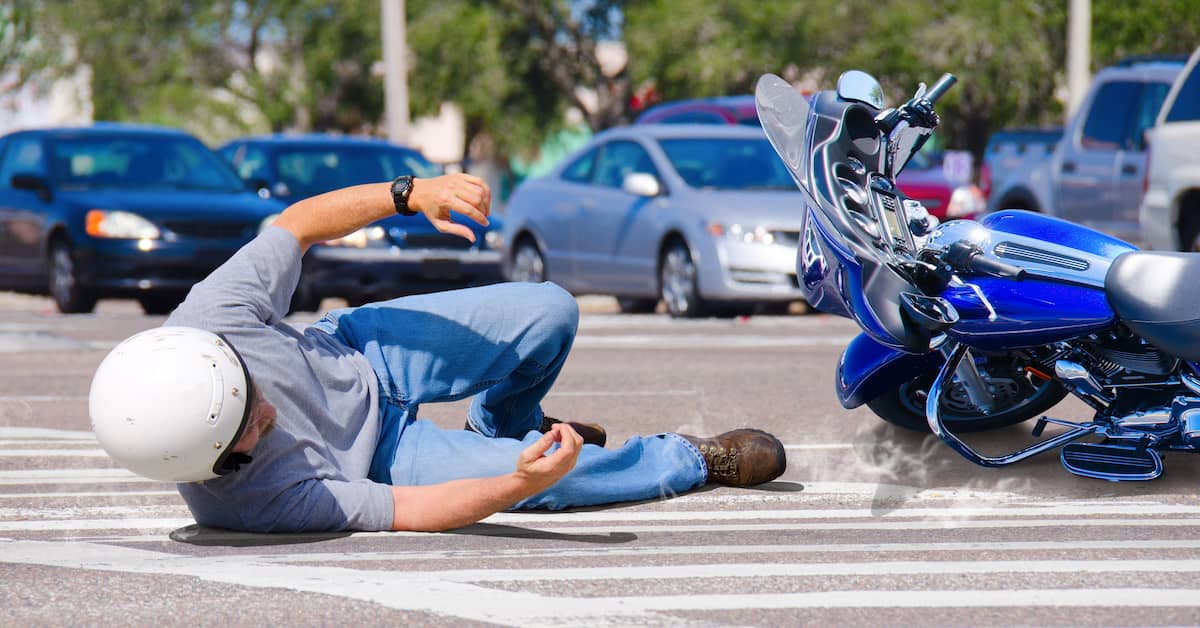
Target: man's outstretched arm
(463, 502)
(341, 212)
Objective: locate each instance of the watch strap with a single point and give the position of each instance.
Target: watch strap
(401, 189)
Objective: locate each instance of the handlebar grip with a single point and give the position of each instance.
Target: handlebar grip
(988, 266)
(940, 87)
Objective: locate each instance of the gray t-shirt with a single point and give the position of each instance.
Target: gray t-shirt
(310, 473)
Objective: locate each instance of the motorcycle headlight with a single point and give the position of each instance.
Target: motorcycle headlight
(108, 223)
(966, 201)
(746, 234)
(360, 239)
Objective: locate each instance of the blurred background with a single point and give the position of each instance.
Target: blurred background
(507, 87)
(108, 109)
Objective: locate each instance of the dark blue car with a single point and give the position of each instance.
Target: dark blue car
(393, 257)
(116, 210)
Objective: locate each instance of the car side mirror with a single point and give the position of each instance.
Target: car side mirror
(32, 182)
(642, 184)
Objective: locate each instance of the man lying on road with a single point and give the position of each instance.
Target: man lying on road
(267, 428)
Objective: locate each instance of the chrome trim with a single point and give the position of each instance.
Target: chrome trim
(1144, 418)
(1078, 375)
(1192, 383)
(1025, 253)
(1190, 419)
(938, 427)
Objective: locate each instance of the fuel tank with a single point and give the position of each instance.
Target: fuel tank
(1061, 296)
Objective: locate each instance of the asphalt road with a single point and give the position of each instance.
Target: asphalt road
(869, 526)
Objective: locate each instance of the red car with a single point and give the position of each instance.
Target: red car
(924, 179)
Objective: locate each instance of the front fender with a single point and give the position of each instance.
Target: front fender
(869, 369)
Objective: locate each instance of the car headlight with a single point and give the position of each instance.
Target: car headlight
(966, 201)
(746, 234)
(493, 240)
(267, 222)
(108, 223)
(360, 239)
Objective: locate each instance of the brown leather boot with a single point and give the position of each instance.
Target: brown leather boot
(742, 457)
(592, 433)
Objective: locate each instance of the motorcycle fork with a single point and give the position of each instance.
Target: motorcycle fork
(976, 387)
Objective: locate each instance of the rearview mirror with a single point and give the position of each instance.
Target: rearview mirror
(32, 182)
(642, 184)
(859, 86)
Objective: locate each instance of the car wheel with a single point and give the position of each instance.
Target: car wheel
(633, 305)
(160, 304)
(68, 292)
(528, 263)
(677, 282)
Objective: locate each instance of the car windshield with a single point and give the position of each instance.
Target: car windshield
(727, 163)
(314, 170)
(139, 161)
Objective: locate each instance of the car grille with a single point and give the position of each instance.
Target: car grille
(210, 230)
(433, 241)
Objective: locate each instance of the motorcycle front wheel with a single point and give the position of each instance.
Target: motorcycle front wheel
(1018, 397)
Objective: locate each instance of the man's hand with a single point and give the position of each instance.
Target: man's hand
(463, 193)
(458, 503)
(540, 471)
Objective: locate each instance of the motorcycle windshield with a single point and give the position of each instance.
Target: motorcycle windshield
(783, 113)
(905, 141)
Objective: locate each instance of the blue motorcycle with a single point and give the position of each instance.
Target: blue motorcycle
(972, 326)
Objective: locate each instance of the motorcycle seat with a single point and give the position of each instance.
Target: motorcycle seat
(1155, 294)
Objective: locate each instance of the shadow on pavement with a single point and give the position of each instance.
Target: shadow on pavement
(217, 537)
(516, 532)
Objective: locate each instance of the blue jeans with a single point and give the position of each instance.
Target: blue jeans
(503, 344)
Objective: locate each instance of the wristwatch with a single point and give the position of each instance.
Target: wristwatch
(401, 189)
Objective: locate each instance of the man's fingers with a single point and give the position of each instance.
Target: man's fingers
(453, 228)
(469, 210)
(538, 448)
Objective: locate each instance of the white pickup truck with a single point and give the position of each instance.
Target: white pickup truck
(1094, 176)
(1170, 212)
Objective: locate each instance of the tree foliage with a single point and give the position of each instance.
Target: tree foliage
(219, 67)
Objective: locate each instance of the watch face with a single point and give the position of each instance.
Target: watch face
(401, 188)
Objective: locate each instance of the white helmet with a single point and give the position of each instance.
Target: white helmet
(169, 403)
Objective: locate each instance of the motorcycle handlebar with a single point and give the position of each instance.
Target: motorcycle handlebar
(996, 268)
(964, 255)
(940, 87)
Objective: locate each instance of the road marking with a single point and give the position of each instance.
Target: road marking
(16, 432)
(949, 515)
(706, 341)
(634, 393)
(41, 398)
(69, 476)
(445, 597)
(88, 494)
(699, 550)
(53, 453)
(799, 570)
(667, 528)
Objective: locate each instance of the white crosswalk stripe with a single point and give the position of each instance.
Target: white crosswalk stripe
(818, 548)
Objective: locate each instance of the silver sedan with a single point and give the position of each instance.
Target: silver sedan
(700, 216)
